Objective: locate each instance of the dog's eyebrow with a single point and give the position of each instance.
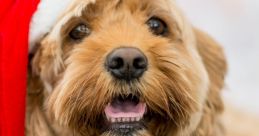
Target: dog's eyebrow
(66, 28)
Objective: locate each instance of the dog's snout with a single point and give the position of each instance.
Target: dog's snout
(126, 63)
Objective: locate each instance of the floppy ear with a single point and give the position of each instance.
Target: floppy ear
(47, 62)
(213, 58)
(215, 62)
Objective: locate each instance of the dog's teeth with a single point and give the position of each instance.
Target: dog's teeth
(123, 119)
(113, 120)
(118, 119)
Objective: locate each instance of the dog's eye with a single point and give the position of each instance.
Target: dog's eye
(79, 32)
(157, 26)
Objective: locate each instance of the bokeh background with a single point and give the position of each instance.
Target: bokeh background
(234, 24)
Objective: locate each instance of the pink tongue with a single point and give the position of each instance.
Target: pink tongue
(125, 109)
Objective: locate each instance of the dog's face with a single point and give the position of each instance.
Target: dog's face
(123, 67)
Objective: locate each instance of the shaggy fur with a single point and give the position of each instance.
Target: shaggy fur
(69, 85)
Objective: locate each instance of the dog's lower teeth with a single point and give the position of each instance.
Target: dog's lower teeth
(132, 119)
(113, 120)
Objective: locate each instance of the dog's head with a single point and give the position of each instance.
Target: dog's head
(124, 67)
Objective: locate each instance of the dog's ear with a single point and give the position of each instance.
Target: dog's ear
(213, 57)
(47, 62)
(215, 62)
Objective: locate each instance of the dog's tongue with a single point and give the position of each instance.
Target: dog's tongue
(126, 109)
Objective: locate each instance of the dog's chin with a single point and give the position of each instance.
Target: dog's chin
(124, 115)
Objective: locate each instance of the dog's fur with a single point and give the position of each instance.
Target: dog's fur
(69, 86)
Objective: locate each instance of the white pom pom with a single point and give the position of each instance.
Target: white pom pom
(44, 18)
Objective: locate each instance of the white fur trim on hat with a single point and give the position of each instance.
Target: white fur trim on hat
(44, 18)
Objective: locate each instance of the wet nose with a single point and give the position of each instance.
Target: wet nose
(126, 63)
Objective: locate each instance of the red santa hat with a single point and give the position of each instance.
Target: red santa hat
(16, 27)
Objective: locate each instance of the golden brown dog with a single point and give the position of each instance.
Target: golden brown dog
(125, 68)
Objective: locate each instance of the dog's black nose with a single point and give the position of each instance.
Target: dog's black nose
(126, 63)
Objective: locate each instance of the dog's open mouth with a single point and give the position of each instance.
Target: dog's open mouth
(124, 113)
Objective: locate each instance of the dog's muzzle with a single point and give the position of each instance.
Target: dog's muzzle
(124, 113)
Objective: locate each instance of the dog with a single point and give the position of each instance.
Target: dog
(125, 68)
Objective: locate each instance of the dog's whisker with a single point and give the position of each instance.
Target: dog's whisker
(191, 98)
(183, 112)
(178, 108)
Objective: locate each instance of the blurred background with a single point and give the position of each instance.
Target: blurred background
(234, 24)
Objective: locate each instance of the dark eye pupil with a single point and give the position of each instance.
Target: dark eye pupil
(157, 26)
(154, 24)
(79, 32)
